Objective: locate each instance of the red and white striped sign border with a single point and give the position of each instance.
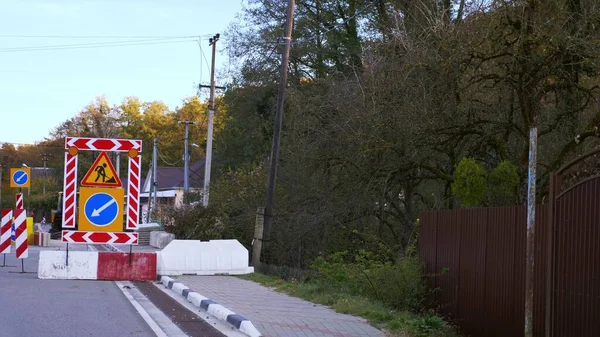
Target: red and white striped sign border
(103, 144)
(115, 238)
(133, 192)
(21, 234)
(69, 191)
(19, 201)
(5, 230)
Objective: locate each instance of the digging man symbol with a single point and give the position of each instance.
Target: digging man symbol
(101, 173)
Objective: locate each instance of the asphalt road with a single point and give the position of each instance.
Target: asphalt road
(30, 307)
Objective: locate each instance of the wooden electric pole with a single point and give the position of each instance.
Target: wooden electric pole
(211, 119)
(285, 58)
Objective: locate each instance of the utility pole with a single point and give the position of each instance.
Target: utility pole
(155, 174)
(285, 57)
(186, 157)
(211, 116)
(153, 182)
(45, 160)
(4, 160)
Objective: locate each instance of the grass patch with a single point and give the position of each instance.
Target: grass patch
(397, 323)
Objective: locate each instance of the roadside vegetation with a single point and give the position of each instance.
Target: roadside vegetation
(392, 108)
(391, 296)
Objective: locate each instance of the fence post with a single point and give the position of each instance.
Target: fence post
(530, 251)
(258, 236)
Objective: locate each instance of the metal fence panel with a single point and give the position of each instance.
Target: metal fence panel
(483, 251)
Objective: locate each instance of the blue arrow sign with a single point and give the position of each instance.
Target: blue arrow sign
(101, 209)
(20, 177)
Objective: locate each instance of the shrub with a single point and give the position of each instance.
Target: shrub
(398, 285)
(470, 182)
(194, 222)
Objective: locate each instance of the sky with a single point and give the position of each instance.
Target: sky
(41, 88)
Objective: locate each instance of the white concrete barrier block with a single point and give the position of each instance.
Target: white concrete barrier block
(160, 239)
(179, 288)
(203, 258)
(82, 265)
(219, 311)
(247, 270)
(232, 254)
(55, 243)
(195, 298)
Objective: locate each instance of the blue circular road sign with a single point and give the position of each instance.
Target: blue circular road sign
(20, 177)
(101, 209)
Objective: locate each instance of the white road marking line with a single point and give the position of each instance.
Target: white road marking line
(151, 323)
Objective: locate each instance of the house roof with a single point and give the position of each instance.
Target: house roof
(172, 177)
(38, 172)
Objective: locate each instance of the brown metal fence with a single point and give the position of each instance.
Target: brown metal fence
(476, 257)
(483, 251)
(576, 260)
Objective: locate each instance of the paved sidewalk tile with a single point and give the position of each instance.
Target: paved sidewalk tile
(276, 314)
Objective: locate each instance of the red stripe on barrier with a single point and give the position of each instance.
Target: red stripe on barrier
(115, 266)
(19, 201)
(21, 234)
(5, 231)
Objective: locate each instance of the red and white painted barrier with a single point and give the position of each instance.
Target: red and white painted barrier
(133, 190)
(103, 144)
(113, 266)
(41, 239)
(5, 230)
(19, 201)
(69, 190)
(124, 238)
(21, 248)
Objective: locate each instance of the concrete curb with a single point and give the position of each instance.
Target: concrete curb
(220, 312)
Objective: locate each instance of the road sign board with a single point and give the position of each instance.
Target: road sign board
(102, 173)
(20, 177)
(101, 209)
(103, 144)
(119, 238)
(74, 145)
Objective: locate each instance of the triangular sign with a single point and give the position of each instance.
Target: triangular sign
(102, 173)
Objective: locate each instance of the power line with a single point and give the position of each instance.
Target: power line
(91, 45)
(166, 162)
(202, 56)
(101, 36)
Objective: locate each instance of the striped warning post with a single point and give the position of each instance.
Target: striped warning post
(70, 190)
(19, 201)
(5, 230)
(133, 189)
(21, 234)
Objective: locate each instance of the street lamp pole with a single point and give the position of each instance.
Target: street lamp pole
(45, 159)
(186, 158)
